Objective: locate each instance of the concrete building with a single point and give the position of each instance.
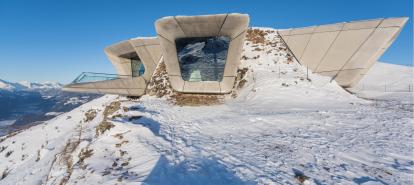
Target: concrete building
(344, 51)
(202, 53)
(134, 60)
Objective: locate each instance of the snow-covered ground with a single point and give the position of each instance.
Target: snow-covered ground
(280, 128)
(387, 82)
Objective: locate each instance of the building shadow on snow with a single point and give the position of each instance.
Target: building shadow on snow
(143, 109)
(194, 172)
(151, 124)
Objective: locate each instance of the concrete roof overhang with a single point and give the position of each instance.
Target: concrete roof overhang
(171, 28)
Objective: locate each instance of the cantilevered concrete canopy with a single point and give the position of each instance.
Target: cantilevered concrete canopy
(225, 30)
(343, 51)
(145, 50)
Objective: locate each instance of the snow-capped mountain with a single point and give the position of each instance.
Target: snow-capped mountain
(279, 126)
(8, 86)
(25, 102)
(26, 85)
(44, 85)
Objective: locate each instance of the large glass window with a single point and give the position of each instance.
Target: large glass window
(202, 58)
(137, 67)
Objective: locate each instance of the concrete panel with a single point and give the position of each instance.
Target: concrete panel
(119, 48)
(212, 87)
(346, 77)
(397, 22)
(234, 25)
(81, 90)
(201, 26)
(286, 39)
(374, 44)
(226, 85)
(317, 48)
(116, 63)
(144, 41)
(137, 82)
(329, 27)
(170, 57)
(124, 67)
(233, 55)
(155, 52)
(136, 92)
(123, 92)
(345, 45)
(113, 84)
(297, 44)
(82, 85)
(328, 73)
(365, 24)
(194, 87)
(177, 83)
(284, 32)
(168, 28)
(307, 30)
(230, 70)
(109, 91)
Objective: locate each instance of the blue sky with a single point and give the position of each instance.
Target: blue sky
(51, 40)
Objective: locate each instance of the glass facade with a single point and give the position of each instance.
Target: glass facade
(137, 67)
(202, 58)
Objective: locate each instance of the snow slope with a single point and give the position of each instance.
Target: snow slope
(388, 82)
(279, 128)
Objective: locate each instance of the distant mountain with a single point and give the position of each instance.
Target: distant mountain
(26, 85)
(44, 85)
(8, 86)
(25, 102)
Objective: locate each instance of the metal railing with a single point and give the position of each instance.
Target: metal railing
(87, 77)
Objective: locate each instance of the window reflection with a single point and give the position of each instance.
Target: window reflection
(137, 67)
(202, 58)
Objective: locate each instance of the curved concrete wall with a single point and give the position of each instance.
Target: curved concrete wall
(149, 52)
(343, 51)
(233, 26)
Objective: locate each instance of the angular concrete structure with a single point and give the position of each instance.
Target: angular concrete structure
(343, 51)
(202, 53)
(135, 61)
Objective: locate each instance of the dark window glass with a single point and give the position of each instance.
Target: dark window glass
(202, 58)
(137, 67)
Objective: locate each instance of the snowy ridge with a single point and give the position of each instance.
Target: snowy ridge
(43, 85)
(26, 85)
(282, 127)
(8, 86)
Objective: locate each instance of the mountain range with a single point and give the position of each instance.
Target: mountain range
(26, 103)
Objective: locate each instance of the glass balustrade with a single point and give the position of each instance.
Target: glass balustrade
(86, 77)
